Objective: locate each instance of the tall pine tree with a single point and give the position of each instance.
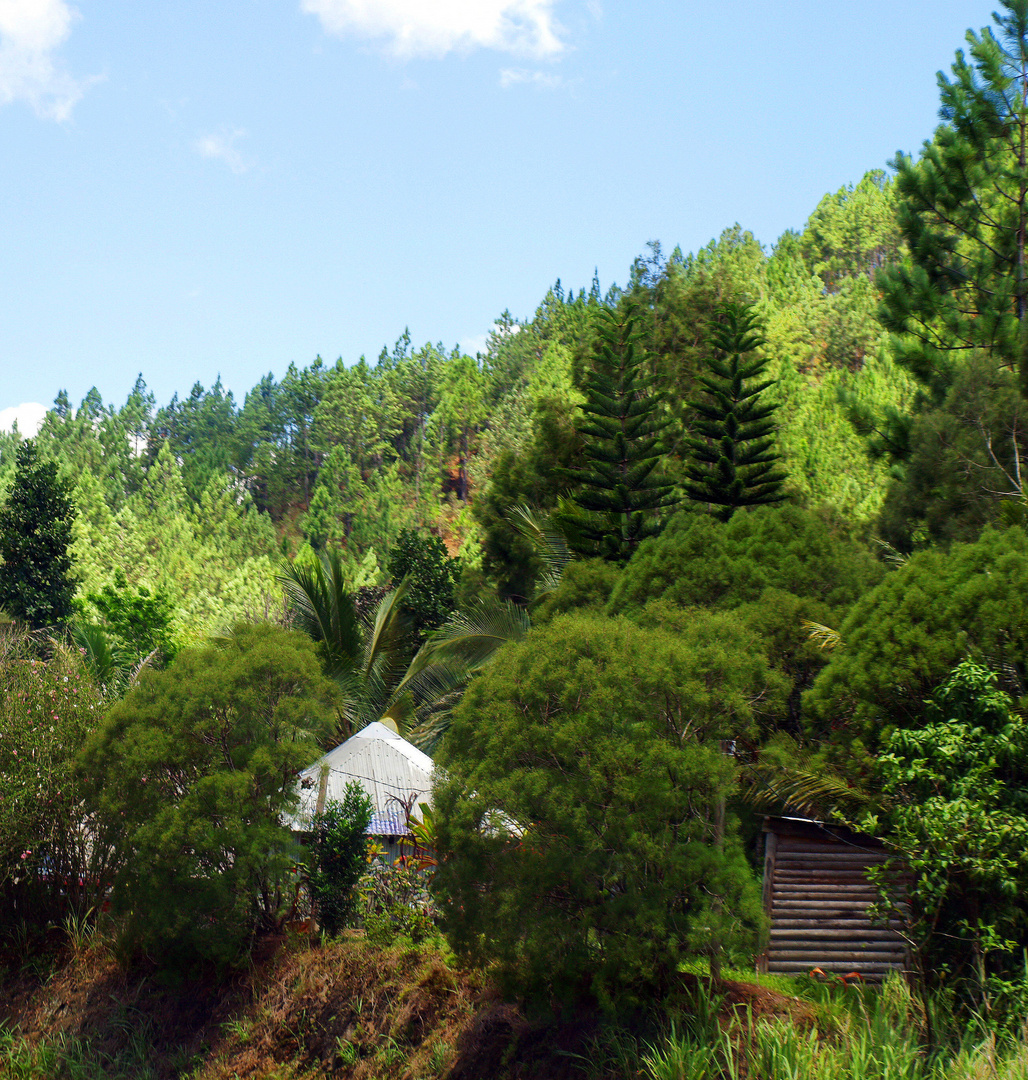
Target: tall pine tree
(618, 492)
(35, 531)
(963, 212)
(732, 449)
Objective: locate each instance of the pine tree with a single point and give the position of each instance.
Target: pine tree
(35, 532)
(732, 453)
(963, 212)
(618, 496)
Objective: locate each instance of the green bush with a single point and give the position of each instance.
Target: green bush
(698, 561)
(48, 707)
(339, 856)
(578, 816)
(195, 769)
(902, 639)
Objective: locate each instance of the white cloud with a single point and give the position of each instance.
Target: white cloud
(31, 31)
(28, 417)
(545, 81)
(436, 27)
(222, 147)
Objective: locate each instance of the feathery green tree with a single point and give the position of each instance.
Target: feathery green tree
(733, 458)
(195, 769)
(618, 492)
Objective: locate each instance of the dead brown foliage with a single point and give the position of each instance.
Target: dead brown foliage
(346, 1009)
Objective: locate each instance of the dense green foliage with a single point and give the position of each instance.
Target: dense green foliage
(36, 585)
(339, 856)
(578, 817)
(901, 639)
(699, 561)
(431, 577)
(193, 769)
(956, 789)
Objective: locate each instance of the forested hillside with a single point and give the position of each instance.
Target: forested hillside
(746, 533)
(201, 496)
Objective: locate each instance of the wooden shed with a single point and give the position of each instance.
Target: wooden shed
(817, 894)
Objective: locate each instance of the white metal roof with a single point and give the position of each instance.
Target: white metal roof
(389, 768)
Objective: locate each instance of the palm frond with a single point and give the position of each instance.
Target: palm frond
(823, 636)
(548, 543)
(819, 794)
(387, 637)
(107, 662)
(470, 637)
(323, 609)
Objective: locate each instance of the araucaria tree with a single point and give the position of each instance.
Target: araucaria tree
(963, 212)
(619, 492)
(733, 461)
(35, 531)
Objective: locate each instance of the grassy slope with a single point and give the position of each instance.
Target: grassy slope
(346, 1009)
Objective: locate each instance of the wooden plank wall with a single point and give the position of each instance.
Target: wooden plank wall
(816, 894)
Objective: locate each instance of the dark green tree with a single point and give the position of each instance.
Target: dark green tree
(36, 585)
(431, 576)
(901, 639)
(578, 828)
(963, 212)
(339, 856)
(732, 451)
(618, 492)
(955, 812)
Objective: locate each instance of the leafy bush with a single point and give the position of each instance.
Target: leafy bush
(578, 826)
(396, 902)
(957, 796)
(902, 639)
(48, 863)
(698, 561)
(339, 848)
(195, 768)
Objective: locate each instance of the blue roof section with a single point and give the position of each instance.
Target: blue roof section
(387, 823)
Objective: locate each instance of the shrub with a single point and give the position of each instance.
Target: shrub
(195, 768)
(339, 847)
(578, 816)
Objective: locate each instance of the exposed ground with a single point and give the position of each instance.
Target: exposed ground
(345, 1009)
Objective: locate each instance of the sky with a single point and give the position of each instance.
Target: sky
(191, 189)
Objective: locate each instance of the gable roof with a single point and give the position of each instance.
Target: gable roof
(390, 769)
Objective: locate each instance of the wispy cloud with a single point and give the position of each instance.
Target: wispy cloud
(28, 416)
(221, 146)
(543, 79)
(435, 27)
(31, 32)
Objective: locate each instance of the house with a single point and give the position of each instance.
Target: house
(394, 773)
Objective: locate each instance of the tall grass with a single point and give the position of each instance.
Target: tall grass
(864, 1034)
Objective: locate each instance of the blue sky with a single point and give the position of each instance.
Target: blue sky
(191, 189)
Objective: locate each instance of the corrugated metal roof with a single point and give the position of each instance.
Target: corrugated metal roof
(390, 769)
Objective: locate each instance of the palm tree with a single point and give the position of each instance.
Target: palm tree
(370, 658)
(452, 656)
(366, 657)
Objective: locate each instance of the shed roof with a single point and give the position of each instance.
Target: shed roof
(390, 769)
